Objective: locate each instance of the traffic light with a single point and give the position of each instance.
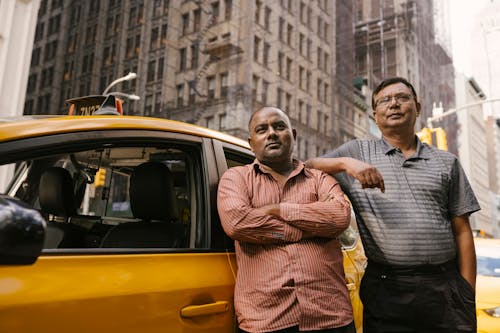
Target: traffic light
(441, 141)
(425, 135)
(100, 177)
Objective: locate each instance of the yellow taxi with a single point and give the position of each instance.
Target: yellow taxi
(109, 224)
(488, 285)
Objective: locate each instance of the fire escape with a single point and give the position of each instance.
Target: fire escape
(215, 50)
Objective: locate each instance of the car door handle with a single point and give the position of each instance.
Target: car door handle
(205, 309)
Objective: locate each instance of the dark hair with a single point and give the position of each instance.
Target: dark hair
(388, 82)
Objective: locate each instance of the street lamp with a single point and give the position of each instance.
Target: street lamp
(128, 77)
(132, 97)
(452, 111)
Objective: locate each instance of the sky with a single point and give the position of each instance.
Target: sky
(462, 16)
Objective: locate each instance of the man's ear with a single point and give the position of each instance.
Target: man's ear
(418, 108)
(250, 143)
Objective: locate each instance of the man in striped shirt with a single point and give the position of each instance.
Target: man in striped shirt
(285, 220)
(415, 228)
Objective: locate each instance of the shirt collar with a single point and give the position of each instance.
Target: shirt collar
(300, 167)
(423, 151)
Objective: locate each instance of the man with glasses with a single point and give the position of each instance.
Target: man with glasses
(412, 204)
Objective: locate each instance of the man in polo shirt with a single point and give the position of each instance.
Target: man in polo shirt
(285, 219)
(412, 204)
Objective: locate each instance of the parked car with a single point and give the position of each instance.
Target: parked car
(130, 239)
(488, 285)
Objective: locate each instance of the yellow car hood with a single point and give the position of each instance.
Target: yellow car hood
(487, 292)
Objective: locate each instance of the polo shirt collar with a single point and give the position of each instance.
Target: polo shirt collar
(423, 151)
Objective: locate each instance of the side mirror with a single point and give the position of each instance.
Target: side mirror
(22, 232)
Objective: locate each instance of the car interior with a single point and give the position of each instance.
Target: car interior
(112, 197)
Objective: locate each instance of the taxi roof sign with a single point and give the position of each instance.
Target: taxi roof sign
(95, 105)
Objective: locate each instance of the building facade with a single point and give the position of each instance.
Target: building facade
(398, 38)
(473, 148)
(17, 29)
(206, 62)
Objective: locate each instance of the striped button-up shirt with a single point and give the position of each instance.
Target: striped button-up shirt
(290, 269)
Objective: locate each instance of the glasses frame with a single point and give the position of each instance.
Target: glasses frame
(387, 100)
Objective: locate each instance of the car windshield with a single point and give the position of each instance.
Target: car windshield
(488, 261)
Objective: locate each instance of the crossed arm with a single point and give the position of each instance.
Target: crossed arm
(280, 222)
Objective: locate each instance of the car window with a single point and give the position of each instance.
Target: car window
(488, 259)
(112, 196)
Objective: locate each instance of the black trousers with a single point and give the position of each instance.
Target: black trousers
(426, 299)
(295, 329)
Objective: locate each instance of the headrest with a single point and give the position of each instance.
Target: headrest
(55, 192)
(152, 195)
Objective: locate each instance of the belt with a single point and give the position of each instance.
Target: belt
(412, 270)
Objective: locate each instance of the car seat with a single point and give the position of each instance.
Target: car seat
(153, 201)
(57, 203)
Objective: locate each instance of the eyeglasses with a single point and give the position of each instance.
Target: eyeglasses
(386, 100)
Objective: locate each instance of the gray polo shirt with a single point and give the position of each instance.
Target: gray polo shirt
(409, 224)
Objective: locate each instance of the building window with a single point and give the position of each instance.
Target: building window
(280, 64)
(258, 5)
(180, 95)
(301, 43)
(267, 18)
(192, 92)
(159, 74)
(265, 88)
(211, 87)
(215, 12)
(87, 63)
(309, 47)
(185, 23)
(39, 31)
(318, 90)
(255, 86)
(32, 82)
(157, 8)
(196, 20)
(229, 8)
(288, 101)
(223, 85)
(54, 24)
(301, 77)
(281, 26)
(164, 34)
(72, 42)
(222, 121)
(265, 54)
(182, 59)
(288, 68)
(302, 13)
(148, 105)
(289, 35)
(151, 71)
(279, 94)
(154, 44)
(210, 122)
(194, 56)
(308, 115)
(256, 48)
(68, 71)
(35, 57)
(90, 35)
